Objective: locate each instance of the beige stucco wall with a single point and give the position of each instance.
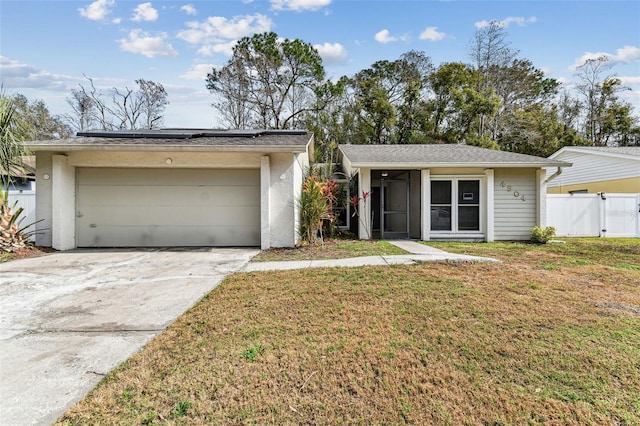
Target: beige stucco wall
(43, 199)
(55, 197)
(628, 185)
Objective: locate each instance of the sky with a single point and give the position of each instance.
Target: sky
(48, 46)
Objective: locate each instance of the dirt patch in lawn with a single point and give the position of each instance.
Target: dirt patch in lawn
(435, 343)
(29, 251)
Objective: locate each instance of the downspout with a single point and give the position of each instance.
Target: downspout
(553, 176)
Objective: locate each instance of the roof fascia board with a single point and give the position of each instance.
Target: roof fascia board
(593, 152)
(413, 166)
(172, 148)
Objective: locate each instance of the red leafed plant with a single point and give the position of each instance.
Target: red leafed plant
(355, 201)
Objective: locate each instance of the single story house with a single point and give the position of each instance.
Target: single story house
(597, 169)
(447, 192)
(174, 187)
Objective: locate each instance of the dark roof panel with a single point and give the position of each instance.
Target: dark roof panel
(180, 138)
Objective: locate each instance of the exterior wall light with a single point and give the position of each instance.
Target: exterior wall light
(168, 161)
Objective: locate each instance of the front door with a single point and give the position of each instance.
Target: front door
(394, 206)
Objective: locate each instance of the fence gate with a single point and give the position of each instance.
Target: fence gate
(594, 215)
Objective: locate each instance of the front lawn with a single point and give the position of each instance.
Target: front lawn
(330, 249)
(549, 336)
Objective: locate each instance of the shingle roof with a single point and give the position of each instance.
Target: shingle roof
(27, 170)
(179, 139)
(439, 155)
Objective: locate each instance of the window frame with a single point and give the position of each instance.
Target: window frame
(456, 204)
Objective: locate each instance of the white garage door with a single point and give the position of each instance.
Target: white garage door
(167, 207)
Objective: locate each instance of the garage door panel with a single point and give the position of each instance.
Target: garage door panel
(165, 177)
(167, 216)
(170, 196)
(152, 236)
(167, 207)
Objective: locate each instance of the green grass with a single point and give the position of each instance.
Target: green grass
(434, 343)
(575, 251)
(331, 249)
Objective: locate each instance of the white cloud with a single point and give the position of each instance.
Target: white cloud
(16, 75)
(630, 80)
(331, 53)
(224, 48)
(625, 54)
(218, 29)
(299, 5)
(145, 12)
(97, 10)
(432, 34)
(384, 37)
(198, 72)
(189, 9)
(147, 45)
(116, 20)
(518, 20)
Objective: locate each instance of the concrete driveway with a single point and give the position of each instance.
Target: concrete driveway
(68, 318)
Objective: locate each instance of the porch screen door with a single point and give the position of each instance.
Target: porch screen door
(394, 201)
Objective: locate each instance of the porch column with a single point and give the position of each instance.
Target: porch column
(425, 206)
(541, 191)
(265, 213)
(63, 203)
(364, 206)
(490, 202)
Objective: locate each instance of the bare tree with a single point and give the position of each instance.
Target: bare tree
(119, 109)
(605, 116)
(83, 116)
(153, 101)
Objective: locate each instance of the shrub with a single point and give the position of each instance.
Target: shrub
(316, 208)
(542, 236)
(13, 235)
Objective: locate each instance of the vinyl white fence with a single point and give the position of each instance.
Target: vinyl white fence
(594, 215)
(26, 200)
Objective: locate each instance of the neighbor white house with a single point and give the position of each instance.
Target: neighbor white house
(597, 169)
(180, 187)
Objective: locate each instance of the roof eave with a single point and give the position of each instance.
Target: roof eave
(376, 165)
(593, 152)
(170, 148)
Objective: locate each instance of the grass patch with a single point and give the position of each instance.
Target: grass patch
(251, 354)
(331, 249)
(628, 266)
(434, 343)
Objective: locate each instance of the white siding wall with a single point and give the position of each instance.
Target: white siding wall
(26, 200)
(514, 218)
(591, 167)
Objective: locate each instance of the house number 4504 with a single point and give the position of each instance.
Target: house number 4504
(515, 193)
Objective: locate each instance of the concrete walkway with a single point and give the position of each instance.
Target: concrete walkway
(416, 253)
